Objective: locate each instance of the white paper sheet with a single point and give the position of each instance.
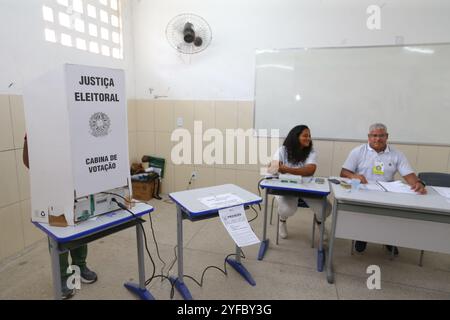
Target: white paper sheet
(443, 191)
(396, 186)
(221, 200)
(373, 186)
(238, 228)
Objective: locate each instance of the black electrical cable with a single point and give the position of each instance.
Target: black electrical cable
(256, 214)
(173, 283)
(153, 235)
(147, 282)
(122, 206)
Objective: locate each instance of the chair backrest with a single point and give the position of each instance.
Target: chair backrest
(437, 179)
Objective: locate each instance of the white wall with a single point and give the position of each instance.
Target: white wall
(25, 54)
(226, 69)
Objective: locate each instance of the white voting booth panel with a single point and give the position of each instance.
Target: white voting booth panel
(76, 120)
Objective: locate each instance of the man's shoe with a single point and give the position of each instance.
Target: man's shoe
(283, 230)
(66, 293)
(87, 276)
(390, 248)
(360, 246)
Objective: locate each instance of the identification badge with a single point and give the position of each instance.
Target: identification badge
(378, 168)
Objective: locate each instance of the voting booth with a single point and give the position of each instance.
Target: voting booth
(76, 122)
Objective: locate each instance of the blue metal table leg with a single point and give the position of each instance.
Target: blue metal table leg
(242, 270)
(320, 260)
(182, 288)
(143, 294)
(263, 248)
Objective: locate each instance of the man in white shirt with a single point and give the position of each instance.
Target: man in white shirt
(377, 161)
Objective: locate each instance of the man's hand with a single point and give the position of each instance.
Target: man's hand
(360, 177)
(419, 187)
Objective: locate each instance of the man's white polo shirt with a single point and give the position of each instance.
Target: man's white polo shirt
(377, 166)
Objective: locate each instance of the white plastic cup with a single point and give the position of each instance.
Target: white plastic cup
(355, 183)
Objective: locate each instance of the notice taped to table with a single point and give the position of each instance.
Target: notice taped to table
(235, 221)
(221, 201)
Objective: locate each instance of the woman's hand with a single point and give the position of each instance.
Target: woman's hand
(273, 167)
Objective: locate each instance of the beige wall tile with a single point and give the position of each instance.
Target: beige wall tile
(432, 159)
(132, 118)
(18, 120)
(182, 174)
(226, 115)
(9, 187)
(245, 114)
(164, 116)
(410, 152)
(6, 131)
(31, 233)
(205, 111)
(324, 150)
(183, 149)
(163, 146)
(132, 147)
(224, 176)
(229, 151)
(167, 185)
(248, 180)
(185, 111)
(341, 151)
(205, 177)
(250, 151)
(11, 232)
(213, 150)
(145, 144)
(145, 115)
(23, 177)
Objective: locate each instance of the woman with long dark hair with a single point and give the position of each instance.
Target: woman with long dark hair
(296, 156)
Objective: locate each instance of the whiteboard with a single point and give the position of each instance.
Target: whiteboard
(340, 92)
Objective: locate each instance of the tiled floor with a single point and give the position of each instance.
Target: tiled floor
(288, 270)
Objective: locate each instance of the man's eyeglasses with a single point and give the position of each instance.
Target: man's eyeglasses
(383, 135)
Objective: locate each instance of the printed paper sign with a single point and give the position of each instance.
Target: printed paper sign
(238, 228)
(221, 200)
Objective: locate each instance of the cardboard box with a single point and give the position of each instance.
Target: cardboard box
(77, 133)
(143, 190)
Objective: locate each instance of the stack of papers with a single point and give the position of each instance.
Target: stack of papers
(396, 186)
(443, 191)
(373, 186)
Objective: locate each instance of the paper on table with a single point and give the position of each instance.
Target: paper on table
(396, 186)
(236, 224)
(221, 200)
(371, 186)
(443, 191)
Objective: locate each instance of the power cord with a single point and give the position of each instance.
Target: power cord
(190, 181)
(254, 218)
(148, 281)
(166, 277)
(123, 207)
(259, 186)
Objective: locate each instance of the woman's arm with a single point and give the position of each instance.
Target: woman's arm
(306, 171)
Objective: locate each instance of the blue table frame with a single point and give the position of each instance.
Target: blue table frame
(188, 207)
(304, 190)
(62, 239)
